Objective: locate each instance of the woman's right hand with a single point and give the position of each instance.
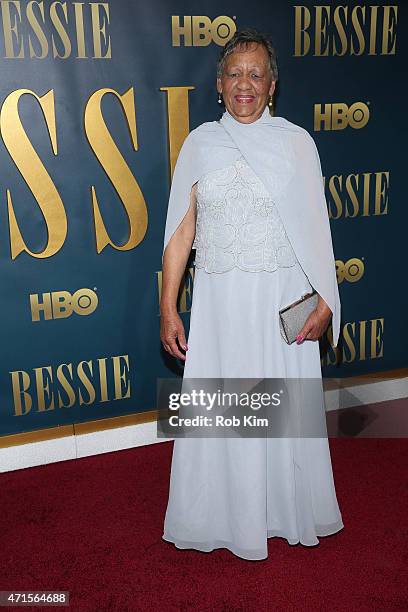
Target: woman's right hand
(171, 329)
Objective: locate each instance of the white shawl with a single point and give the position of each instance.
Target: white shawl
(285, 158)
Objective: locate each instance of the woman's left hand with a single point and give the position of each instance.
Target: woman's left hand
(316, 323)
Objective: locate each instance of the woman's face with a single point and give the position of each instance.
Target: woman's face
(246, 82)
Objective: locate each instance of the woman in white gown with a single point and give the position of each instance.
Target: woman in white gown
(235, 493)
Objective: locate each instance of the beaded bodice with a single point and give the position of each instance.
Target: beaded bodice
(238, 224)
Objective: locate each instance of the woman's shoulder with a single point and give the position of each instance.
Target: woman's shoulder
(290, 127)
(301, 138)
(208, 127)
(203, 135)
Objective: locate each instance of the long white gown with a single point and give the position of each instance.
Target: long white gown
(235, 493)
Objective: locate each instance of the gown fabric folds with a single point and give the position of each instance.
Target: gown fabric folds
(235, 493)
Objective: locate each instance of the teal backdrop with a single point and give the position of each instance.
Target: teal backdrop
(96, 99)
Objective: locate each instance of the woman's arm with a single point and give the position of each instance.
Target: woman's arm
(174, 264)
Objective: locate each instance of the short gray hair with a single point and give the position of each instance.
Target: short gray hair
(245, 37)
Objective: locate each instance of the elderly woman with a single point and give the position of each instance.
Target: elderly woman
(247, 194)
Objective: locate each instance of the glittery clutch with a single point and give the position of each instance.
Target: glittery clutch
(293, 317)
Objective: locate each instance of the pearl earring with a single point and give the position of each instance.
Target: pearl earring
(270, 103)
(219, 98)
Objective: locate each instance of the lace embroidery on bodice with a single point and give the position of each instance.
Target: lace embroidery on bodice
(238, 225)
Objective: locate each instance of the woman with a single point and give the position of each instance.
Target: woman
(247, 194)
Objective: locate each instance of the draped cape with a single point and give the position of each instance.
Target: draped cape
(285, 158)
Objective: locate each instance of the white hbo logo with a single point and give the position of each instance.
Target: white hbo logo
(61, 304)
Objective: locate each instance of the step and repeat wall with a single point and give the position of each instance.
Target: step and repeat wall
(96, 100)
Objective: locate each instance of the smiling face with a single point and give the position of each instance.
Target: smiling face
(246, 82)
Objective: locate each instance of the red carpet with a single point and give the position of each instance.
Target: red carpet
(93, 526)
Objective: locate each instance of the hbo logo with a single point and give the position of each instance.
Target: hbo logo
(200, 31)
(339, 116)
(61, 304)
(351, 270)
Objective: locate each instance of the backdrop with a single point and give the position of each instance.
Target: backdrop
(96, 100)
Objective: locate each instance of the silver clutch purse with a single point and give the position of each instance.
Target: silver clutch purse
(293, 317)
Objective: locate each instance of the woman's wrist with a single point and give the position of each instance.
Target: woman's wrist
(322, 307)
(168, 308)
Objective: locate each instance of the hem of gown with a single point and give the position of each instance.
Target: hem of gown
(254, 555)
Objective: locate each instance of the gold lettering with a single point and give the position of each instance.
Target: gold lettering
(35, 174)
(57, 23)
(98, 29)
(381, 195)
(70, 385)
(103, 381)
(355, 334)
(358, 30)
(339, 116)
(362, 340)
(61, 304)
(120, 377)
(389, 29)
(159, 285)
(177, 31)
(37, 306)
(352, 194)
(340, 30)
(66, 385)
(20, 381)
(177, 120)
(10, 29)
(336, 196)
(373, 30)
(223, 29)
(359, 197)
(116, 169)
(43, 388)
(34, 23)
(322, 19)
(377, 329)
(201, 26)
(83, 377)
(302, 23)
(322, 116)
(80, 34)
(366, 194)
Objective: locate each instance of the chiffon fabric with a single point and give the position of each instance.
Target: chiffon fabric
(235, 493)
(285, 158)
